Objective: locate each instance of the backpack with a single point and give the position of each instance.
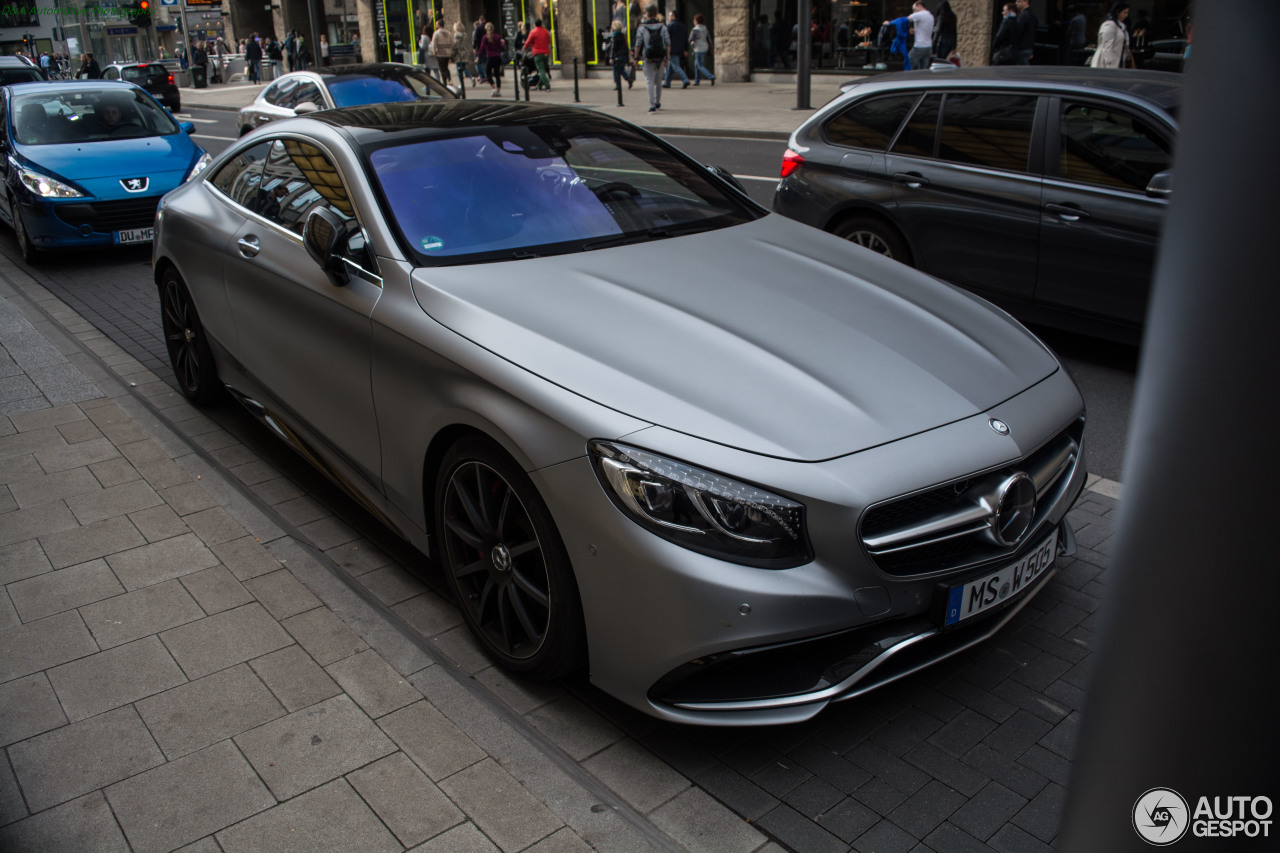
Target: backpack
(655, 50)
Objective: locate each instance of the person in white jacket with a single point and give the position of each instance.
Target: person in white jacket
(1113, 39)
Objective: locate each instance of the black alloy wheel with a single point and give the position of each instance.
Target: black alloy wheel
(505, 562)
(874, 234)
(189, 351)
(30, 253)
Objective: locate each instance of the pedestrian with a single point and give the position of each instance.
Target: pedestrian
(477, 34)
(291, 49)
(253, 59)
(1003, 51)
(463, 54)
(1076, 36)
(324, 49)
(1024, 33)
(89, 69)
(700, 41)
(538, 44)
(424, 47)
(679, 34)
(920, 25)
(945, 31)
(653, 46)
(620, 56)
(1113, 38)
(762, 44)
(442, 50)
(492, 48)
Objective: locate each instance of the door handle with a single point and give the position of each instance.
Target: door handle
(249, 246)
(914, 180)
(1067, 212)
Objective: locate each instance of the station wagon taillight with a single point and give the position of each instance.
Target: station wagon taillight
(790, 162)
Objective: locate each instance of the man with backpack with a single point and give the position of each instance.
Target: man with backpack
(653, 45)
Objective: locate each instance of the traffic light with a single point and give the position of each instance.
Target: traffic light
(140, 15)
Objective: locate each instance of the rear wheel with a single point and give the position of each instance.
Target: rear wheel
(874, 234)
(505, 562)
(188, 346)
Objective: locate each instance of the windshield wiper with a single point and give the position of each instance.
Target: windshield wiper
(660, 233)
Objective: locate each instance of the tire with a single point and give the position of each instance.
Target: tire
(30, 254)
(505, 562)
(875, 234)
(188, 345)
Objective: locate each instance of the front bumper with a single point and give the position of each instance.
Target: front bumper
(777, 646)
(84, 222)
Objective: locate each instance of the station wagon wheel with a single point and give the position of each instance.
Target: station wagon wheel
(504, 560)
(189, 351)
(874, 234)
(30, 253)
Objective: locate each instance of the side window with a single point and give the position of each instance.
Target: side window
(298, 178)
(992, 130)
(1109, 148)
(110, 74)
(870, 123)
(278, 93)
(307, 92)
(919, 135)
(241, 176)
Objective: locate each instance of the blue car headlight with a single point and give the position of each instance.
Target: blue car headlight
(43, 185)
(199, 167)
(701, 510)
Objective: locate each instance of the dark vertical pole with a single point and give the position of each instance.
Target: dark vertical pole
(619, 84)
(1170, 706)
(576, 99)
(462, 82)
(804, 47)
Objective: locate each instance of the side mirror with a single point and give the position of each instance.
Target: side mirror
(1161, 185)
(725, 174)
(324, 235)
(187, 127)
(305, 107)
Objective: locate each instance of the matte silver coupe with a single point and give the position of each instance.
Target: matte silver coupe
(737, 466)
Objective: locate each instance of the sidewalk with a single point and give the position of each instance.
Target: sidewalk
(178, 669)
(764, 108)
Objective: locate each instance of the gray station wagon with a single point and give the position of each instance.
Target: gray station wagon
(1041, 189)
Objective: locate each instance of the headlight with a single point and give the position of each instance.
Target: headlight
(701, 510)
(204, 160)
(45, 186)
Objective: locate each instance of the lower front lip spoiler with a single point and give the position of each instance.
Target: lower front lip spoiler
(899, 660)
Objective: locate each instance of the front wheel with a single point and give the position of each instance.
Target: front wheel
(185, 338)
(30, 253)
(504, 560)
(876, 235)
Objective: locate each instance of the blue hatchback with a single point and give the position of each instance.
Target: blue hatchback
(87, 163)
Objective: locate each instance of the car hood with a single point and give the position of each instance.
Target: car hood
(99, 166)
(771, 337)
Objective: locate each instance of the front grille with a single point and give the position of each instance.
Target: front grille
(107, 216)
(947, 526)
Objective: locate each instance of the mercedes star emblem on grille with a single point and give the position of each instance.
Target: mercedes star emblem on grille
(134, 185)
(999, 426)
(1015, 509)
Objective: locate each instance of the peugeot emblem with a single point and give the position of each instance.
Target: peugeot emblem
(134, 185)
(1015, 509)
(999, 426)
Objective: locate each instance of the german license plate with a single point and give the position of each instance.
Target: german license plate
(135, 235)
(997, 588)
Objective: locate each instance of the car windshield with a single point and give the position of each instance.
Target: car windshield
(528, 190)
(88, 115)
(354, 90)
(140, 74)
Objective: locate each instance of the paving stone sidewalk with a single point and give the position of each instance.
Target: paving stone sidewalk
(177, 671)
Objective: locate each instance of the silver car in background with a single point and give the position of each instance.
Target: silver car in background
(737, 466)
(300, 92)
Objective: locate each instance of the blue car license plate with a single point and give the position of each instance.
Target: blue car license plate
(993, 590)
(135, 235)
